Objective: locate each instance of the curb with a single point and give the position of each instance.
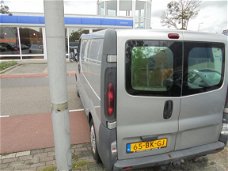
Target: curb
(9, 68)
(33, 75)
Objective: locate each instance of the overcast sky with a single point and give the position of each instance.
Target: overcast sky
(212, 17)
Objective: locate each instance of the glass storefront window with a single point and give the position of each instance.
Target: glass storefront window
(140, 14)
(8, 42)
(101, 8)
(125, 8)
(31, 40)
(112, 8)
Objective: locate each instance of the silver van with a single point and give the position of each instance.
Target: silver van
(153, 97)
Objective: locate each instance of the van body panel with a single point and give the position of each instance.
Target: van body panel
(201, 114)
(89, 78)
(139, 116)
(91, 84)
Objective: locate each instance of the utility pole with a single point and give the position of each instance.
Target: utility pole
(55, 37)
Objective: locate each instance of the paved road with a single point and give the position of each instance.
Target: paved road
(30, 95)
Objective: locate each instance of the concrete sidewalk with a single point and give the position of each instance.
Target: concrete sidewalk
(34, 69)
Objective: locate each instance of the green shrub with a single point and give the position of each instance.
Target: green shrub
(4, 65)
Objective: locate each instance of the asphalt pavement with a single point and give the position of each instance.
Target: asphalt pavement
(25, 90)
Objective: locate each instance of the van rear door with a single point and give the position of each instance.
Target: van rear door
(204, 91)
(148, 93)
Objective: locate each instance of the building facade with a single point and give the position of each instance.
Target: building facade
(225, 32)
(139, 10)
(22, 36)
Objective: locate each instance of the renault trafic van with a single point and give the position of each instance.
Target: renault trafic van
(153, 97)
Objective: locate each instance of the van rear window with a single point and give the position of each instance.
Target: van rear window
(162, 68)
(203, 67)
(150, 67)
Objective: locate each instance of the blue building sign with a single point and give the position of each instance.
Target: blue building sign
(75, 21)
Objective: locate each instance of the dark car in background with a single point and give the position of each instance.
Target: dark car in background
(36, 49)
(8, 48)
(225, 32)
(73, 49)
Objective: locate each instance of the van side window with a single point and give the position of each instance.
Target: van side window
(100, 49)
(151, 66)
(95, 50)
(82, 49)
(203, 67)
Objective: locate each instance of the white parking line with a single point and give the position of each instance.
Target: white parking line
(4, 116)
(76, 110)
(79, 110)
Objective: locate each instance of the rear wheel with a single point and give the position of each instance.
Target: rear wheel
(94, 143)
(78, 94)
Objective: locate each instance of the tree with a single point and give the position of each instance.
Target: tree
(179, 13)
(76, 34)
(4, 9)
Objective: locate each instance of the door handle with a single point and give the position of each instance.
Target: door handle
(168, 109)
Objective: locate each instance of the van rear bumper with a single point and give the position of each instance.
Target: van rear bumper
(168, 157)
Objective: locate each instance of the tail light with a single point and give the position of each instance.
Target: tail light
(173, 36)
(110, 94)
(110, 99)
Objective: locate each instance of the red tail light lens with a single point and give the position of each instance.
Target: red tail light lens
(173, 36)
(110, 99)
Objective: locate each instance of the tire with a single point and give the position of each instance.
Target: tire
(93, 143)
(78, 94)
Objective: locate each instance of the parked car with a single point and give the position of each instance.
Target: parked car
(73, 47)
(139, 119)
(8, 48)
(225, 32)
(36, 49)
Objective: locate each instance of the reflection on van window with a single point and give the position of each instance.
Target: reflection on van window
(204, 67)
(150, 67)
(82, 49)
(95, 49)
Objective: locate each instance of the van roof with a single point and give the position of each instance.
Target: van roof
(187, 35)
(94, 35)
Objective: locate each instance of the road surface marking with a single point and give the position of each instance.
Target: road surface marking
(76, 110)
(4, 116)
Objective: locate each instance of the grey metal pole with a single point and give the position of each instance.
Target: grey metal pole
(55, 37)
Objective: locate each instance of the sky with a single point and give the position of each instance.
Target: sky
(212, 17)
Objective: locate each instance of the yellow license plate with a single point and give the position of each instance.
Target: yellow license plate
(147, 145)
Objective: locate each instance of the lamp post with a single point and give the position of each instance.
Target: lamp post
(55, 37)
